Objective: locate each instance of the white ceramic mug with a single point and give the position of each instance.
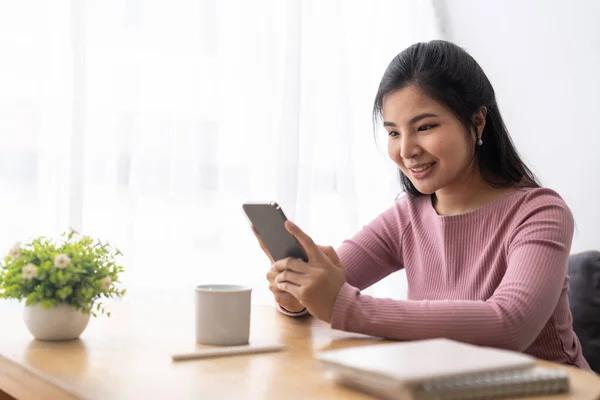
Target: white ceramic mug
(223, 314)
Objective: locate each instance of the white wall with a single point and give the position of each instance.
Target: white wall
(543, 58)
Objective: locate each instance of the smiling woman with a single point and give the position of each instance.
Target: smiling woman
(459, 105)
(484, 247)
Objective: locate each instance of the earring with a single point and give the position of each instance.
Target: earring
(479, 141)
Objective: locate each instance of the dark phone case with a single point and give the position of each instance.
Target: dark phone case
(268, 220)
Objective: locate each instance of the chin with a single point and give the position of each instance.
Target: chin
(425, 189)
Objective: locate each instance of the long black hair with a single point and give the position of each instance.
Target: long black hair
(449, 75)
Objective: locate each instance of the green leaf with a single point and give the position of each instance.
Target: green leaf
(64, 292)
(32, 299)
(49, 303)
(80, 284)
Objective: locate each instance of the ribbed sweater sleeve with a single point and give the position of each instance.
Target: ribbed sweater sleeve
(537, 249)
(376, 250)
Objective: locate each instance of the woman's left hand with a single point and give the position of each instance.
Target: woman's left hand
(316, 283)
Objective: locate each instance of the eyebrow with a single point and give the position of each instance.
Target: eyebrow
(412, 120)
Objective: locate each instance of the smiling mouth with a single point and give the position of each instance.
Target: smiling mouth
(422, 168)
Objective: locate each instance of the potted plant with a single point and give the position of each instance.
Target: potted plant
(62, 282)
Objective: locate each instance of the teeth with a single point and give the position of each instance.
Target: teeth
(421, 169)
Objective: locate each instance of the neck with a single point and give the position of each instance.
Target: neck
(466, 195)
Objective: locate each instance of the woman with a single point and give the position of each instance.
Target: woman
(484, 247)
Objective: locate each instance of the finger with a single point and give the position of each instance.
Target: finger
(292, 289)
(262, 245)
(273, 288)
(292, 264)
(331, 254)
(312, 251)
(291, 277)
(271, 274)
(285, 300)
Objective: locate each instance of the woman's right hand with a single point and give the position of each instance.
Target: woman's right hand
(284, 299)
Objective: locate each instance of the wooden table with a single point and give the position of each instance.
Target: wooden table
(128, 356)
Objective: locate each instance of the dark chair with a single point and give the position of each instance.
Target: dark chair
(584, 296)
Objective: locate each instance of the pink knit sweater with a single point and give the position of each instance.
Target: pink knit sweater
(495, 276)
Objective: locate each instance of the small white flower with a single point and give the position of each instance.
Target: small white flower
(61, 261)
(15, 252)
(106, 282)
(29, 271)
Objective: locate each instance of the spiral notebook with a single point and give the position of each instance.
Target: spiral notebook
(441, 369)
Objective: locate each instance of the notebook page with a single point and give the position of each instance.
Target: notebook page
(424, 360)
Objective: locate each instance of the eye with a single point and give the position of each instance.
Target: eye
(426, 127)
(393, 134)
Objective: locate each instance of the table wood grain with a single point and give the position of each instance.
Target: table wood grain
(128, 356)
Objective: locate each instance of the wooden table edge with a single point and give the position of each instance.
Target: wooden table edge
(22, 383)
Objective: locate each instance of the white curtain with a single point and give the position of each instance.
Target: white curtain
(149, 123)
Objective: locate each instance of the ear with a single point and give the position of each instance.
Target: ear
(478, 119)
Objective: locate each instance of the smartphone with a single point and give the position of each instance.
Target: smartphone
(268, 220)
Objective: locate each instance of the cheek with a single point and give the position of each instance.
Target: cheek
(391, 149)
(394, 151)
(456, 154)
(450, 147)
(436, 146)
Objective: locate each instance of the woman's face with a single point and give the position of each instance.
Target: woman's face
(426, 140)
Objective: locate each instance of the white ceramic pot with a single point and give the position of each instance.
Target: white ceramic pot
(62, 322)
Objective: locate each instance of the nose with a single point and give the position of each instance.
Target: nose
(409, 148)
